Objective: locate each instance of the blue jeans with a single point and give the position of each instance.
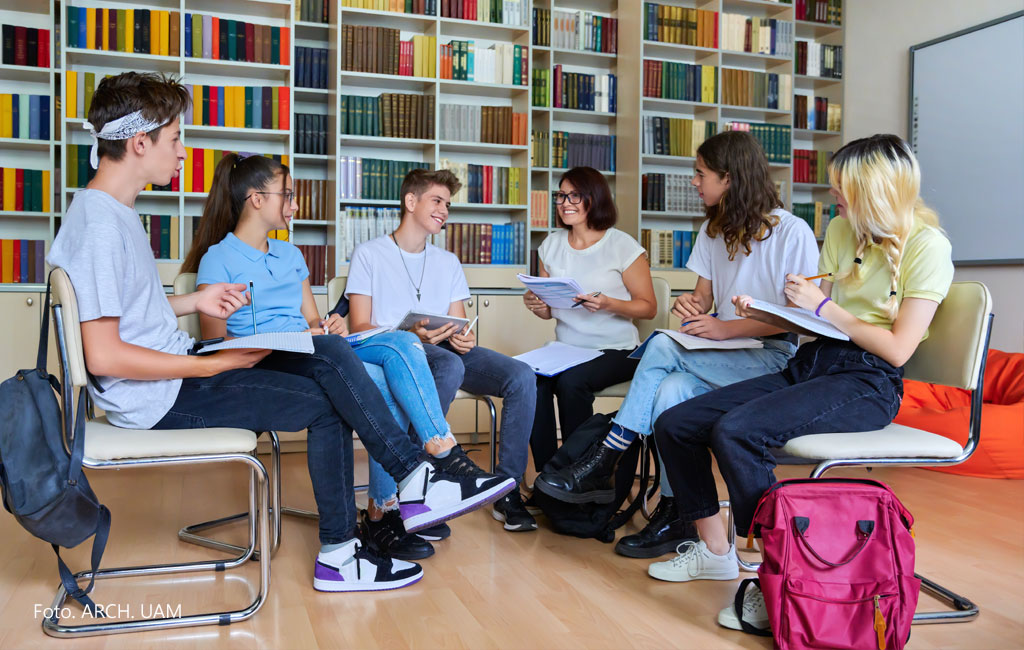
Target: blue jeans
(485, 372)
(829, 386)
(669, 374)
(327, 392)
(397, 365)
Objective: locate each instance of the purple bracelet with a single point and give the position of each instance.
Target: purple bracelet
(817, 312)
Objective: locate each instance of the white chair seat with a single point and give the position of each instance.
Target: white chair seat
(104, 441)
(461, 394)
(894, 441)
(618, 390)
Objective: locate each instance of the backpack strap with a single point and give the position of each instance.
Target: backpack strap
(99, 544)
(44, 330)
(623, 516)
(738, 608)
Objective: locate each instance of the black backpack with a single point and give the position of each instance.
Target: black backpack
(43, 485)
(597, 520)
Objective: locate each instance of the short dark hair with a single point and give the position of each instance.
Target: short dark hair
(597, 197)
(419, 181)
(161, 98)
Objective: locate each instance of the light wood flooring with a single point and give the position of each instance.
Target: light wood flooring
(485, 588)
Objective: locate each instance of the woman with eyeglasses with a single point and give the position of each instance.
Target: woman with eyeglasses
(615, 274)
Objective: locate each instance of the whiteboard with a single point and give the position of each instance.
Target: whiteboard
(967, 130)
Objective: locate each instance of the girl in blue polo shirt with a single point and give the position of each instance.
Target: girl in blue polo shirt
(252, 195)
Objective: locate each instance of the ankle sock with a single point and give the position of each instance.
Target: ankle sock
(444, 454)
(619, 438)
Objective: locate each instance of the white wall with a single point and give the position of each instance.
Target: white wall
(879, 34)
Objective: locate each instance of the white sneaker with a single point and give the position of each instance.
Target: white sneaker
(354, 567)
(754, 611)
(446, 488)
(696, 562)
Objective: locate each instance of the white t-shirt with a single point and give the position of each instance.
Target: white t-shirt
(381, 270)
(790, 248)
(597, 268)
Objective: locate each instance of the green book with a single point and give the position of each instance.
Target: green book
(71, 165)
(165, 237)
(344, 115)
(275, 97)
(232, 40)
(197, 36)
(73, 27)
(248, 107)
(357, 115)
(275, 45)
(90, 84)
(122, 16)
(29, 191)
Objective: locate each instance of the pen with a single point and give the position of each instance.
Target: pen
(580, 301)
(199, 345)
(470, 328)
(714, 315)
(252, 306)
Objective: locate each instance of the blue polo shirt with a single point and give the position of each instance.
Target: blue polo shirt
(276, 277)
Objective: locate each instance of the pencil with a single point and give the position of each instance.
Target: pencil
(818, 277)
(252, 306)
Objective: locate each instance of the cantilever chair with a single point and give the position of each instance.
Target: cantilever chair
(111, 447)
(953, 355)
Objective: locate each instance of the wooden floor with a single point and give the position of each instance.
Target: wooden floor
(485, 588)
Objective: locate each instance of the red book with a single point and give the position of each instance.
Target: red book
(154, 234)
(43, 57)
(16, 260)
(215, 40)
(286, 50)
(176, 181)
(20, 46)
(250, 42)
(214, 106)
(715, 32)
(19, 189)
(197, 171)
(283, 95)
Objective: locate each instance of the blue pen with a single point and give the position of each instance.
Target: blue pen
(252, 306)
(714, 315)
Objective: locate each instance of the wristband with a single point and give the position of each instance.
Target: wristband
(817, 312)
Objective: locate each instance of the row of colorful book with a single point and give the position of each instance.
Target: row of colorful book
(248, 107)
(22, 261)
(540, 27)
(314, 199)
(360, 224)
(485, 243)
(320, 262)
(25, 190)
(491, 124)
(140, 31)
(314, 11)
(683, 81)
(373, 179)
(584, 31)
(810, 166)
(381, 50)
(27, 46)
(756, 35)
(819, 11)
(673, 193)
(391, 115)
(675, 136)
(584, 92)
(817, 114)
(817, 215)
(197, 175)
(757, 89)
(502, 12)
(26, 117)
(668, 249)
(680, 25)
(583, 149)
(209, 37)
(487, 184)
(500, 63)
(540, 209)
(816, 59)
(540, 148)
(423, 7)
(775, 139)
(164, 235)
(78, 90)
(311, 69)
(311, 133)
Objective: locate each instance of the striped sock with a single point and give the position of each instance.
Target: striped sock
(619, 438)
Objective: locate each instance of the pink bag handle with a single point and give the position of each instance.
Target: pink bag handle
(864, 526)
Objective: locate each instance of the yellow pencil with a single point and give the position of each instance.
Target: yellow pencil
(818, 277)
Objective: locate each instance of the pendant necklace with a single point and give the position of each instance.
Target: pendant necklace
(422, 270)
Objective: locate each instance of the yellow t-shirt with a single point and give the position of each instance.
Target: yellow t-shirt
(926, 271)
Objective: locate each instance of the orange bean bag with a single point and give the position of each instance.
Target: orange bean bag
(946, 411)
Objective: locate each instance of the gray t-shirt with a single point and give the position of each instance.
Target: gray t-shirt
(105, 250)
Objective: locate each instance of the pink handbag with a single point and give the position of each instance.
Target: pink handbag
(838, 568)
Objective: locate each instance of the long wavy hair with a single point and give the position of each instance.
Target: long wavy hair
(743, 213)
(880, 180)
(233, 179)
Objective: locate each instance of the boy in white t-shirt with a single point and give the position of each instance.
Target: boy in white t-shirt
(390, 275)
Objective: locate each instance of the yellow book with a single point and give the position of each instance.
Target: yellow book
(7, 253)
(6, 116)
(90, 28)
(418, 50)
(187, 185)
(207, 170)
(284, 160)
(46, 190)
(240, 107)
(174, 239)
(149, 187)
(129, 30)
(165, 45)
(154, 32)
(104, 29)
(9, 179)
(71, 93)
(431, 56)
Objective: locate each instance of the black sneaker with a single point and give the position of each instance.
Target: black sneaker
(662, 534)
(530, 503)
(435, 533)
(388, 537)
(510, 510)
(590, 479)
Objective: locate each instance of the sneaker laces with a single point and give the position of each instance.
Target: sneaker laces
(688, 558)
(457, 463)
(753, 601)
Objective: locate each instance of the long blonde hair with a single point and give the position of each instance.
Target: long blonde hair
(881, 181)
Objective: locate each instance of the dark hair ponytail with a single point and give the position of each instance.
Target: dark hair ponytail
(233, 179)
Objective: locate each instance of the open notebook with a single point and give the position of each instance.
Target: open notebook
(556, 357)
(691, 342)
(802, 318)
(283, 341)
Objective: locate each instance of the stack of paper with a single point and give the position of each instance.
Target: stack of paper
(691, 342)
(559, 293)
(284, 341)
(557, 357)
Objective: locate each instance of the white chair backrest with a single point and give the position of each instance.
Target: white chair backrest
(663, 294)
(186, 283)
(335, 289)
(952, 354)
(63, 294)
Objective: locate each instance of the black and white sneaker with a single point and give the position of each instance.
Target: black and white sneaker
(510, 509)
(435, 533)
(388, 537)
(443, 488)
(354, 567)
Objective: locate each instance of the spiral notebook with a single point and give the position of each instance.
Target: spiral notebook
(283, 341)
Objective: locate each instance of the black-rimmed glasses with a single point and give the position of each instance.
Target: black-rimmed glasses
(575, 198)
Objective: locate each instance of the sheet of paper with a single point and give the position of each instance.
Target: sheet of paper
(691, 342)
(284, 341)
(556, 357)
(559, 293)
(801, 317)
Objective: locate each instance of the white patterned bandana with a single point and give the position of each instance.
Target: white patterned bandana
(120, 129)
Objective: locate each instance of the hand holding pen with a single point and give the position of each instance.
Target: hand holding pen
(591, 302)
(334, 324)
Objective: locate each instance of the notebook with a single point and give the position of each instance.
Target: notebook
(691, 342)
(802, 318)
(283, 341)
(556, 357)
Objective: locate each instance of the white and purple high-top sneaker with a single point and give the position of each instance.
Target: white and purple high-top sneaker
(354, 567)
(443, 488)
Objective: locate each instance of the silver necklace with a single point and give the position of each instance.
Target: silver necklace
(422, 270)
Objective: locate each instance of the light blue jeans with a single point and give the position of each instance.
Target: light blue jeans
(398, 366)
(669, 374)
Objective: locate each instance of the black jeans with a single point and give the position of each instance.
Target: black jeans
(575, 390)
(328, 393)
(829, 386)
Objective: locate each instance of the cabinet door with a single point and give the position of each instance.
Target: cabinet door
(507, 326)
(19, 332)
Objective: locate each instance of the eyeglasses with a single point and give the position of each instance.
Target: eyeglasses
(574, 197)
(287, 194)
